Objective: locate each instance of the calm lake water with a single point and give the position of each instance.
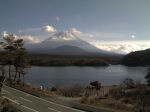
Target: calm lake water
(67, 76)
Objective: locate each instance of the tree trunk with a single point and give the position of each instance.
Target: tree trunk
(19, 77)
(23, 79)
(9, 73)
(16, 73)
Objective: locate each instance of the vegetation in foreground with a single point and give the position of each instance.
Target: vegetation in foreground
(129, 96)
(5, 106)
(16, 60)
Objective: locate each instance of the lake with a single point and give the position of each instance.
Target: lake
(67, 76)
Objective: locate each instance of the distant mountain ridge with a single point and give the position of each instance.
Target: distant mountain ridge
(137, 58)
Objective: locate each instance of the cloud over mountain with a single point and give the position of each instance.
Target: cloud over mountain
(122, 46)
(74, 31)
(48, 29)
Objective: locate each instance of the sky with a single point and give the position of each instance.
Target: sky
(102, 22)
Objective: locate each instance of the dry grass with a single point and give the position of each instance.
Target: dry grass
(107, 103)
(74, 91)
(123, 99)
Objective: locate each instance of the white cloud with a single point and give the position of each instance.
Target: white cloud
(91, 36)
(74, 31)
(28, 39)
(5, 33)
(122, 46)
(48, 29)
(70, 34)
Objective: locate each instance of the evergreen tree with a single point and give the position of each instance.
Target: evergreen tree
(21, 58)
(148, 77)
(8, 45)
(16, 55)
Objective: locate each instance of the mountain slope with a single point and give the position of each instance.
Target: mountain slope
(138, 58)
(69, 50)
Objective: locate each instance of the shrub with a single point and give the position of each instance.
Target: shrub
(53, 89)
(74, 91)
(116, 93)
(128, 83)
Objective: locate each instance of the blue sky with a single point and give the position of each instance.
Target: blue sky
(110, 20)
(116, 17)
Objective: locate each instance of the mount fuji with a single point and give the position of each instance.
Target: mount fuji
(66, 43)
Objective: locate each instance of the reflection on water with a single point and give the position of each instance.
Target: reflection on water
(112, 75)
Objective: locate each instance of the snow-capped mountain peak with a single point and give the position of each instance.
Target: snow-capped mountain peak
(69, 35)
(59, 36)
(67, 42)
